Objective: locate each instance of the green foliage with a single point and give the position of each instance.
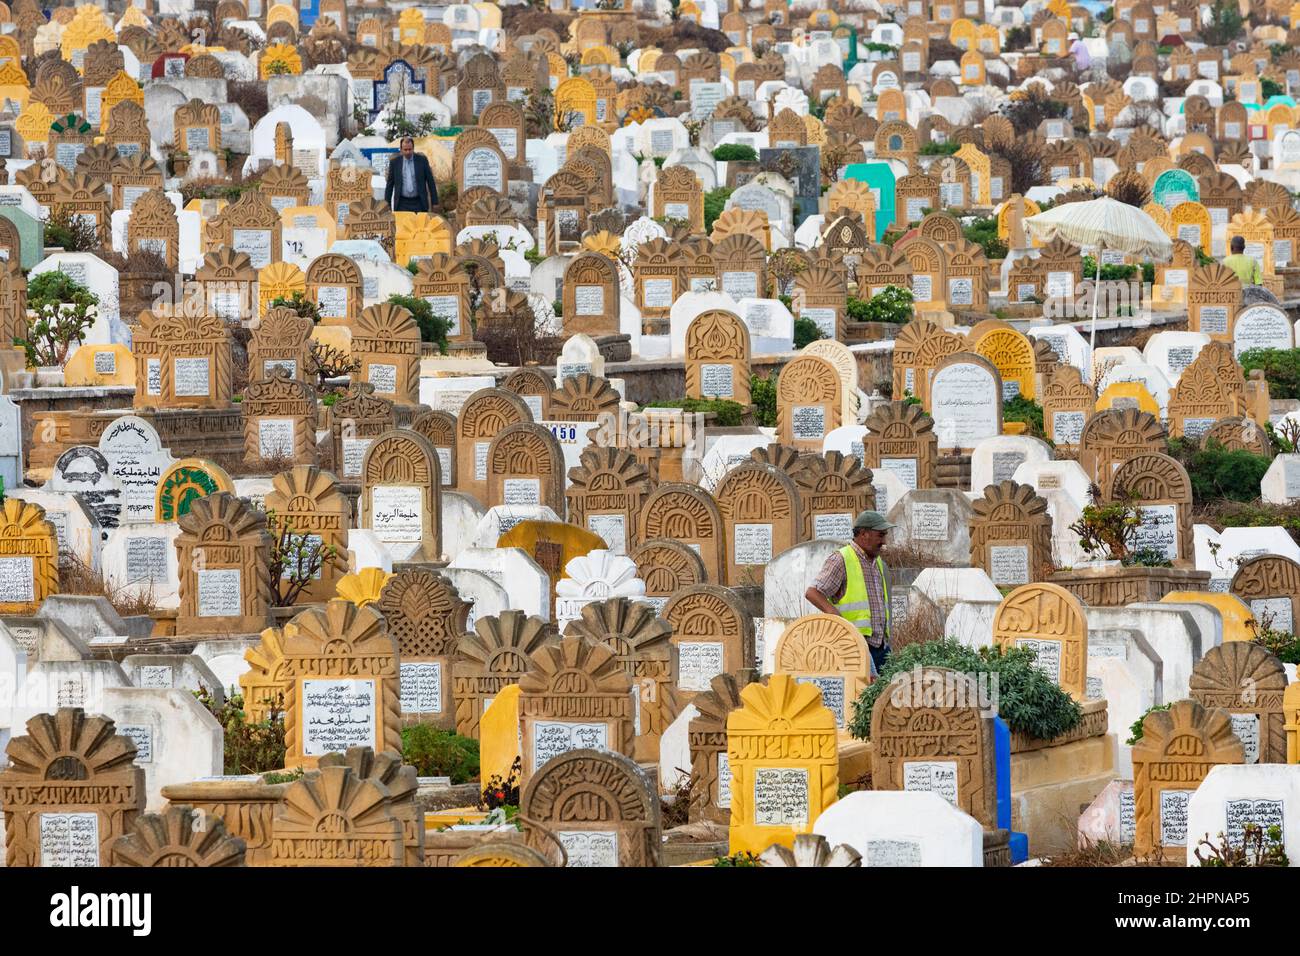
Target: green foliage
(300, 304)
(1269, 88)
(1219, 473)
(64, 312)
(1109, 273)
(891, 304)
(1135, 731)
(532, 256)
(297, 773)
(940, 149)
(1259, 847)
(1225, 24)
(557, 306)
(805, 331)
(762, 394)
(1108, 530)
(1021, 409)
(1281, 369)
(1149, 272)
(1018, 38)
(433, 328)
(735, 153)
(880, 47)
(249, 748)
(440, 753)
(330, 399)
(1027, 699)
(1284, 644)
(715, 200)
(1202, 259)
(744, 858)
(984, 233)
(728, 413)
(69, 231)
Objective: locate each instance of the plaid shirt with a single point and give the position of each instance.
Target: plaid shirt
(831, 580)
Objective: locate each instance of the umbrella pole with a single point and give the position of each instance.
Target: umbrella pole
(1096, 293)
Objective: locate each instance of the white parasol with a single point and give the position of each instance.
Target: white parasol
(1103, 223)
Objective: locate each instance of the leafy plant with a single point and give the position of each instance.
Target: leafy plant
(729, 413)
(1283, 644)
(743, 858)
(984, 233)
(735, 153)
(440, 753)
(71, 231)
(1109, 273)
(249, 747)
(326, 362)
(1259, 847)
(1217, 472)
(762, 393)
(891, 304)
(289, 776)
(715, 200)
(1281, 369)
(63, 310)
(940, 149)
(433, 328)
(1021, 409)
(300, 304)
(296, 561)
(1026, 698)
(1135, 731)
(805, 331)
(1225, 24)
(1107, 530)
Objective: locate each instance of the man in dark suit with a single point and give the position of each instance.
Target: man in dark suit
(410, 186)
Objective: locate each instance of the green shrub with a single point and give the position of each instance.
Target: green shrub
(64, 312)
(891, 304)
(440, 753)
(984, 233)
(249, 748)
(1135, 731)
(1021, 409)
(940, 149)
(735, 153)
(729, 413)
(1219, 473)
(762, 394)
(1027, 699)
(1281, 369)
(743, 858)
(715, 200)
(805, 331)
(1109, 273)
(433, 328)
(303, 306)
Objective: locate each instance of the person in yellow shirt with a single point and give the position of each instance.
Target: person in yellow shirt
(1247, 269)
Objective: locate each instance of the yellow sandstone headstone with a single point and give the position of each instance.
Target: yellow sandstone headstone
(100, 365)
(499, 745)
(1124, 394)
(783, 763)
(1234, 610)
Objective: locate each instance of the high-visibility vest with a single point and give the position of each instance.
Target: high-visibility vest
(855, 606)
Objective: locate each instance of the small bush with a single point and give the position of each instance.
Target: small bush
(73, 234)
(805, 331)
(715, 200)
(1027, 699)
(728, 413)
(1281, 370)
(300, 304)
(762, 393)
(1021, 409)
(1219, 473)
(891, 304)
(984, 233)
(64, 312)
(249, 748)
(735, 153)
(940, 149)
(440, 753)
(433, 328)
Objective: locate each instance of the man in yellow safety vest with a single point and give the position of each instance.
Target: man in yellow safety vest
(854, 583)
